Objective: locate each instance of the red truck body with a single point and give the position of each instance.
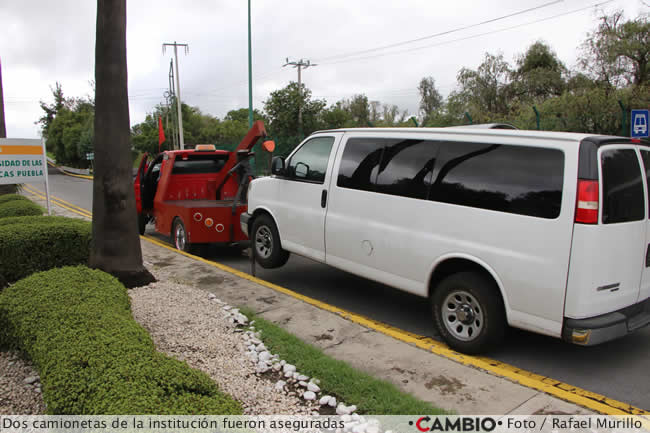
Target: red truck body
(195, 196)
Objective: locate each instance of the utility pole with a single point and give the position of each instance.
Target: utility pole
(178, 88)
(172, 99)
(300, 64)
(3, 129)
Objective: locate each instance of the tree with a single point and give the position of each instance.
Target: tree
(51, 110)
(116, 244)
(617, 52)
(539, 74)
(430, 98)
(484, 91)
(282, 111)
(359, 109)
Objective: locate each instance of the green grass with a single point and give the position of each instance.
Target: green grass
(352, 386)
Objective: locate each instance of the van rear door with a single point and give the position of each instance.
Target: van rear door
(608, 258)
(644, 291)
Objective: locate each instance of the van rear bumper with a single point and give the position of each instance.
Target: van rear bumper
(606, 327)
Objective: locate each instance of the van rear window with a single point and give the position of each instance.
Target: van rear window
(623, 199)
(199, 164)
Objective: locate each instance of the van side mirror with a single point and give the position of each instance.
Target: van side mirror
(277, 166)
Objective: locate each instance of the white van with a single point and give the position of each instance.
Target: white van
(547, 232)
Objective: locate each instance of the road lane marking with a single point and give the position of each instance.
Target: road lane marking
(590, 400)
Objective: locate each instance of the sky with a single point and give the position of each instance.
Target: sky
(43, 42)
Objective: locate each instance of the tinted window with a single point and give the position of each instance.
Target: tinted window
(196, 164)
(310, 161)
(514, 179)
(360, 163)
(622, 188)
(645, 156)
(406, 168)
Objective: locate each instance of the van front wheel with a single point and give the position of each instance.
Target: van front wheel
(265, 241)
(469, 313)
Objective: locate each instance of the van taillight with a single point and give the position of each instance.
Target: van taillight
(587, 202)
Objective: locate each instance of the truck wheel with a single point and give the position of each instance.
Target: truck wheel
(468, 312)
(266, 245)
(142, 223)
(179, 236)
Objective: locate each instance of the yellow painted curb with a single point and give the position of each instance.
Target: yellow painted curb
(590, 400)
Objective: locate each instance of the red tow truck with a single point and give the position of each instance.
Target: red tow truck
(196, 196)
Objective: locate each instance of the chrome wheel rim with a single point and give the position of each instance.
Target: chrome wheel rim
(263, 242)
(180, 237)
(462, 315)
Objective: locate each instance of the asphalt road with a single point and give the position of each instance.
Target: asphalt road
(619, 369)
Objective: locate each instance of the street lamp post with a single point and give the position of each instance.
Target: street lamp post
(250, 71)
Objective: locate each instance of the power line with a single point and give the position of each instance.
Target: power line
(468, 37)
(435, 35)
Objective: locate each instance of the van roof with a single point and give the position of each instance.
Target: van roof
(564, 136)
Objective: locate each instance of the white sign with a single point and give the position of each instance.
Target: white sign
(23, 161)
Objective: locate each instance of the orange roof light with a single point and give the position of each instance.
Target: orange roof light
(205, 148)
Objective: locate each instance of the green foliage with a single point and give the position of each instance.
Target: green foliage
(11, 197)
(18, 207)
(539, 74)
(370, 395)
(76, 325)
(282, 111)
(41, 219)
(430, 98)
(42, 244)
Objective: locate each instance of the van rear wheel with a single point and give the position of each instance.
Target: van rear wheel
(265, 241)
(469, 313)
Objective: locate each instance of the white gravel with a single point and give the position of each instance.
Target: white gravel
(20, 386)
(187, 324)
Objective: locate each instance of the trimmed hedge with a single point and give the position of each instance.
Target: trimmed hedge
(76, 325)
(11, 197)
(41, 219)
(29, 248)
(19, 208)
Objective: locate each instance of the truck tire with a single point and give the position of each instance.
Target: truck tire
(265, 242)
(468, 312)
(179, 236)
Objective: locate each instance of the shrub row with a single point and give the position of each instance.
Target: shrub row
(76, 325)
(41, 219)
(41, 244)
(11, 197)
(17, 207)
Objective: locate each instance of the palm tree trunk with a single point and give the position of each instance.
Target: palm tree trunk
(116, 244)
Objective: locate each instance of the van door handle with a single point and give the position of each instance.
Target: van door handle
(647, 257)
(323, 199)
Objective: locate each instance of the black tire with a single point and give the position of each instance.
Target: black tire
(468, 312)
(180, 239)
(265, 242)
(142, 223)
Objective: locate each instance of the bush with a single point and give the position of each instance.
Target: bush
(41, 219)
(76, 325)
(11, 197)
(28, 248)
(19, 208)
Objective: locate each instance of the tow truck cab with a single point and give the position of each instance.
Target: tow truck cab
(196, 196)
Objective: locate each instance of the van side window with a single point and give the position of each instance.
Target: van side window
(309, 163)
(515, 179)
(623, 199)
(360, 163)
(406, 168)
(645, 156)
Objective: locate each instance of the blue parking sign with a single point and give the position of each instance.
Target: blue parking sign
(639, 124)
